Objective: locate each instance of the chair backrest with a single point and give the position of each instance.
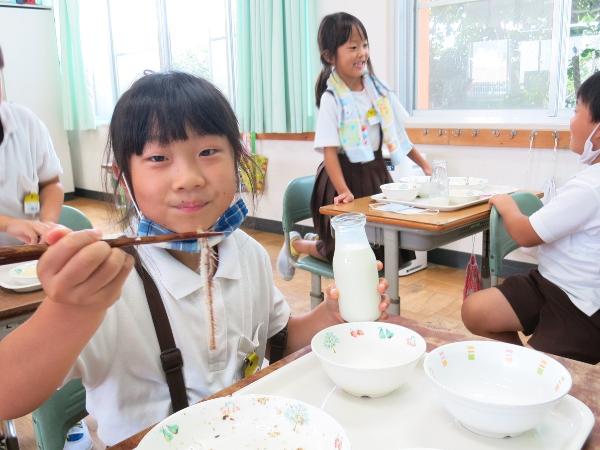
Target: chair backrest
(296, 202)
(501, 244)
(58, 414)
(74, 219)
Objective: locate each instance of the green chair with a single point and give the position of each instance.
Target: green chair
(52, 420)
(501, 244)
(66, 407)
(74, 219)
(296, 207)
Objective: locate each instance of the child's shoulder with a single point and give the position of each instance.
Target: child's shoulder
(247, 245)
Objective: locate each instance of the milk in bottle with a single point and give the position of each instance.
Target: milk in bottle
(354, 269)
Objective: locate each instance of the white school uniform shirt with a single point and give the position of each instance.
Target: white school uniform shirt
(27, 158)
(326, 129)
(569, 225)
(120, 367)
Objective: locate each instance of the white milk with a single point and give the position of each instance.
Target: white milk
(356, 279)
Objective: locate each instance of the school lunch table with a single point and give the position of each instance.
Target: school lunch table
(586, 379)
(418, 232)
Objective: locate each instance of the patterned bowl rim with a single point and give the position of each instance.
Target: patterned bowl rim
(421, 345)
(430, 359)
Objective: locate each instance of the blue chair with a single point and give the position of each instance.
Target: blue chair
(296, 207)
(74, 219)
(501, 244)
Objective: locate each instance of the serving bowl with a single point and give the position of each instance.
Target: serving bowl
(496, 389)
(368, 359)
(400, 191)
(24, 274)
(421, 181)
(247, 422)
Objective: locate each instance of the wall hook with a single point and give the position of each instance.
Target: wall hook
(475, 132)
(496, 133)
(425, 131)
(456, 132)
(513, 133)
(441, 131)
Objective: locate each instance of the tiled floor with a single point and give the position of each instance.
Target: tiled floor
(432, 296)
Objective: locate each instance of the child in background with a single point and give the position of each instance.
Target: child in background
(559, 302)
(30, 192)
(176, 147)
(358, 115)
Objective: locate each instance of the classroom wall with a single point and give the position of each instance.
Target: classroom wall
(291, 159)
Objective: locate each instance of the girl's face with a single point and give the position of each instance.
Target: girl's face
(351, 58)
(185, 185)
(581, 128)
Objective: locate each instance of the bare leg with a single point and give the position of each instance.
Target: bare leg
(487, 313)
(306, 247)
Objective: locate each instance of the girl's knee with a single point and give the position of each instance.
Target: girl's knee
(474, 311)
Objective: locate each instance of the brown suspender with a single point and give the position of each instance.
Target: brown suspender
(170, 355)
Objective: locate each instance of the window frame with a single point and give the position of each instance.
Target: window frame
(164, 50)
(405, 14)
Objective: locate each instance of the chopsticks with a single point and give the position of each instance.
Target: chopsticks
(20, 253)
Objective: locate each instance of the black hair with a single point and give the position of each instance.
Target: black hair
(334, 31)
(589, 94)
(1, 59)
(164, 107)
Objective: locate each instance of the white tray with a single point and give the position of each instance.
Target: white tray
(429, 204)
(7, 283)
(412, 416)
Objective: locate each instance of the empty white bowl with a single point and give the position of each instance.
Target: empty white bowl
(496, 389)
(399, 191)
(475, 183)
(458, 196)
(421, 181)
(24, 273)
(368, 359)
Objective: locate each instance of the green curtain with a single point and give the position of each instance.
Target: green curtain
(277, 65)
(77, 93)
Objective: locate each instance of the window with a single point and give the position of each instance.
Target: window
(501, 54)
(122, 39)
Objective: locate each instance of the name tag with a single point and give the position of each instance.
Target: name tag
(31, 204)
(372, 117)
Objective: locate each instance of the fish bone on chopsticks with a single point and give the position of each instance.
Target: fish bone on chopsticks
(20, 253)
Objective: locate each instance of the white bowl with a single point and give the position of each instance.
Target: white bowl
(368, 359)
(421, 181)
(399, 191)
(247, 422)
(496, 389)
(458, 196)
(468, 182)
(24, 273)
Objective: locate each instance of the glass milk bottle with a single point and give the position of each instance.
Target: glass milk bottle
(354, 269)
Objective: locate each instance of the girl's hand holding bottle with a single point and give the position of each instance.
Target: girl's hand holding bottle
(332, 296)
(81, 270)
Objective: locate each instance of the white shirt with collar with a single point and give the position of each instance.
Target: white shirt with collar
(569, 225)
(27, 158)
(120, 367)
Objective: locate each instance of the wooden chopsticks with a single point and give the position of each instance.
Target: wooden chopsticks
(19, 253)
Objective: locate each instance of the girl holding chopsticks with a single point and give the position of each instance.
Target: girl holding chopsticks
(192, 318)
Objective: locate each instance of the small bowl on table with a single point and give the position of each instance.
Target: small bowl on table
(459, 196)
(368, 359)
(421, 181)
(400, 191)
(496, 389)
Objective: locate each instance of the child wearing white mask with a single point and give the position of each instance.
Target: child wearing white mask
(559, 302)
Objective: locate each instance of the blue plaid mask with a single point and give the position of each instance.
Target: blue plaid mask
(230, 221)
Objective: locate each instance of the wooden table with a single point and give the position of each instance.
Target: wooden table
(419, 232)
(15, 307)
(586, 379)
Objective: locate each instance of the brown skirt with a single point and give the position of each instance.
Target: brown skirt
(363, 179)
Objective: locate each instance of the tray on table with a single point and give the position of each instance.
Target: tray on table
(427, 203)
(412, 416)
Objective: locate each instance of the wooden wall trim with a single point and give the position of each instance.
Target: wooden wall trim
(472, 137)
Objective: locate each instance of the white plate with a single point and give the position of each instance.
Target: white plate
(431, 203)
(413, 416)
(247, 422)
(7, 282)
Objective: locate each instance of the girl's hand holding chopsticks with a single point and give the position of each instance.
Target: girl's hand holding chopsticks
(79, 269)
